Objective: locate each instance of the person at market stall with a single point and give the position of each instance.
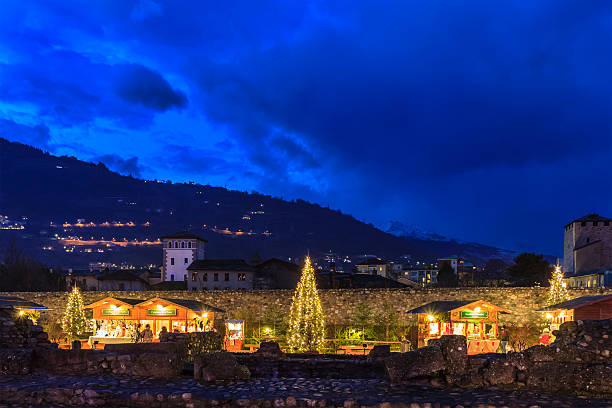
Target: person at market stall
(147, 334)
(545, 337)
(503, 339)
(163, 331)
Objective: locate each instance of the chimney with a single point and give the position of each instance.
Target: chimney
(332, 272)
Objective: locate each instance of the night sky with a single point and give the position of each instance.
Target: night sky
(485, 121)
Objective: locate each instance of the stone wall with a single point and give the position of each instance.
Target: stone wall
(580, 360)
(338, 304)
(325, 366)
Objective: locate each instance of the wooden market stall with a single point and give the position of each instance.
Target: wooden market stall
(117, 320)
(176, 315)
(477, 320)
(22, 306)
(585, 307)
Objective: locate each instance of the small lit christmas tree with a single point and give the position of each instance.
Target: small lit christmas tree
(558, 291)
(74, 321)
(306, 330)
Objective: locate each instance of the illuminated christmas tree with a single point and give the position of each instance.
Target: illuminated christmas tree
(558, 291)
(306, 330)
(74, 321)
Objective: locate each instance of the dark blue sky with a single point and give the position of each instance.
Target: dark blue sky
(485, 121)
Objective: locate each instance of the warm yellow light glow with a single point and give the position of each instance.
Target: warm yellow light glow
(267, 330)
(549, 316)
(204, 315)
(160, 307)
(477, 309)
(21, 312)
(113, 307)
(484, 305)
(430, 318)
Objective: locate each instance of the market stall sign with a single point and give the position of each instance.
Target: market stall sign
(161, 312)
(467, 314)
(115, 312)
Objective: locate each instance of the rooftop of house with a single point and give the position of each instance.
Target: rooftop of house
(120, 275)
(183, 235)
(220, 265)
(578, 302)
(590, 272)
(371, 261)
(278, 262)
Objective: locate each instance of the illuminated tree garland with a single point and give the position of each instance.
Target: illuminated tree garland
(306, 330)
(74, 321)
(558, 291)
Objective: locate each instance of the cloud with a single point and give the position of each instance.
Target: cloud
(470, 118)
(37, 136)
(140, 85)
(120, 165)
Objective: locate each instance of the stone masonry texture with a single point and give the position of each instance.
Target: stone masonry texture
(338, 304)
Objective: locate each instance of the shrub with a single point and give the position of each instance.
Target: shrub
(204, 342)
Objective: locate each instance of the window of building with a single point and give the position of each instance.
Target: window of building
(583, 223)
(186, 260)
(595, 223)
(241, 276)
(171, 277)
(194, 276)
(169, 244)
(185, 277)
(189, 244)
(226, 276)
(216, 277)
(205, 276)
(606, 223)
(588, 240)
(171, 261)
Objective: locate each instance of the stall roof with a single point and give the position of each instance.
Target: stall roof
(443, 306)
(19, 303)
(576, 303)
(127, 301)
(194, 305)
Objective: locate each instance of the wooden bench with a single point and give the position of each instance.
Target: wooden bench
(354, 350)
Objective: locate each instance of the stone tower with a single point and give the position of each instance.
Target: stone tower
(587, 244)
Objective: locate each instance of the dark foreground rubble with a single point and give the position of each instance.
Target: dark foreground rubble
(66, 390)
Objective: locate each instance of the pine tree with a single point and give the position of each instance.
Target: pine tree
(74, 321)
(558, 291)
(306, 330)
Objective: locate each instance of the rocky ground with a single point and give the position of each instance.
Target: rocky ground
(113, 391)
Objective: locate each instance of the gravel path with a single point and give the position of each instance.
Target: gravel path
(344, 393)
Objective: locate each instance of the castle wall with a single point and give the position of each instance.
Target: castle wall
(338, 304)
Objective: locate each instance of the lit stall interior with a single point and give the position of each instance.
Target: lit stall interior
(477, 320)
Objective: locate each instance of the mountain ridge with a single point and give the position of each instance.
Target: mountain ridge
(63, 202)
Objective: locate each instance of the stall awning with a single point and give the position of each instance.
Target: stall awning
(444, 306)
(441, 306)
(20, 304)
(126, 301)
(576, 303)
